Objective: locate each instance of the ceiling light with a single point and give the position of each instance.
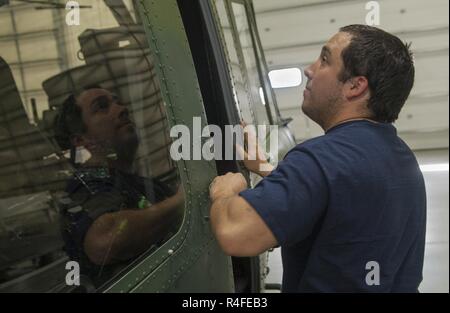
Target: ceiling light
(284, 78)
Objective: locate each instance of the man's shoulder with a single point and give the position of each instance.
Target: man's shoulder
(312, 146)
(93, 191)
(90, 180)
(352, 137)
(312, 143)
(335, 150)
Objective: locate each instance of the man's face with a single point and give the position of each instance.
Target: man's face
(323, 92)
(108, 126)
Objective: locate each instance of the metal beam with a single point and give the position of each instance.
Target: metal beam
(16, 7)
(417, 54)
(303, 6)
(19, 58)
(59, 36)
(33, 34)
(420, 32)
(35, 62)
(419, 98)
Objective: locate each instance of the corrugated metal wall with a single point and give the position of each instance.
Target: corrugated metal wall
(293, 32)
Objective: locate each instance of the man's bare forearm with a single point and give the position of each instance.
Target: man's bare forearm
(225, 214)
(238, 229)
(219, 214)
(135, 230)
(130, 232)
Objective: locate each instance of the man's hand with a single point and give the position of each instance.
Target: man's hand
(227, 186)
(253, 157)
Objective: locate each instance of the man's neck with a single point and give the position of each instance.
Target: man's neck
(111, 162)
(340, 119)
(123, 166)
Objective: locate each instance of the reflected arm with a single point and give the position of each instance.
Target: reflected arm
(119, 236)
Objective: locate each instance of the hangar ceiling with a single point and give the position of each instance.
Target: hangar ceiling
(293, 32)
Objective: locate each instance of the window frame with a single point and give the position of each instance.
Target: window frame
(273, 117)
(179, 84)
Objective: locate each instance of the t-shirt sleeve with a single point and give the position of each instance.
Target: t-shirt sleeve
(87, 208)
(292, 199)
(104, 202)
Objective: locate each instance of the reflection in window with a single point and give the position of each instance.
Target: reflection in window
(85, 170)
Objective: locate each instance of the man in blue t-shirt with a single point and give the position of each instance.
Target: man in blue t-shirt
(110, 215)
(348, 208)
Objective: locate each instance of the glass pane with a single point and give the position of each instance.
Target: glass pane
(251, 65)
(239, 79)
(85, 169)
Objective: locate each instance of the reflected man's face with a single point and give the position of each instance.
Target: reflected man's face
(108, 125)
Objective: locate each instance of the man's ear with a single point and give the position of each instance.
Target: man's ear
(356, 87)
(80, 149)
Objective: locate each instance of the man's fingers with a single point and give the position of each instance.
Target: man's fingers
(250, 137)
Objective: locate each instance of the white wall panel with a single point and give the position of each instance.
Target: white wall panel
(8, 51)
(293, 32)
(5, 23)
(40, 48)
(31, 20)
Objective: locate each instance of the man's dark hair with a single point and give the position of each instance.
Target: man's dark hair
(69, 121)
(386, 62)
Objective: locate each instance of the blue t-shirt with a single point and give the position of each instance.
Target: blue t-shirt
(348, 210)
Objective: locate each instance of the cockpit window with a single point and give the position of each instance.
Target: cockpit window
(85, 170)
